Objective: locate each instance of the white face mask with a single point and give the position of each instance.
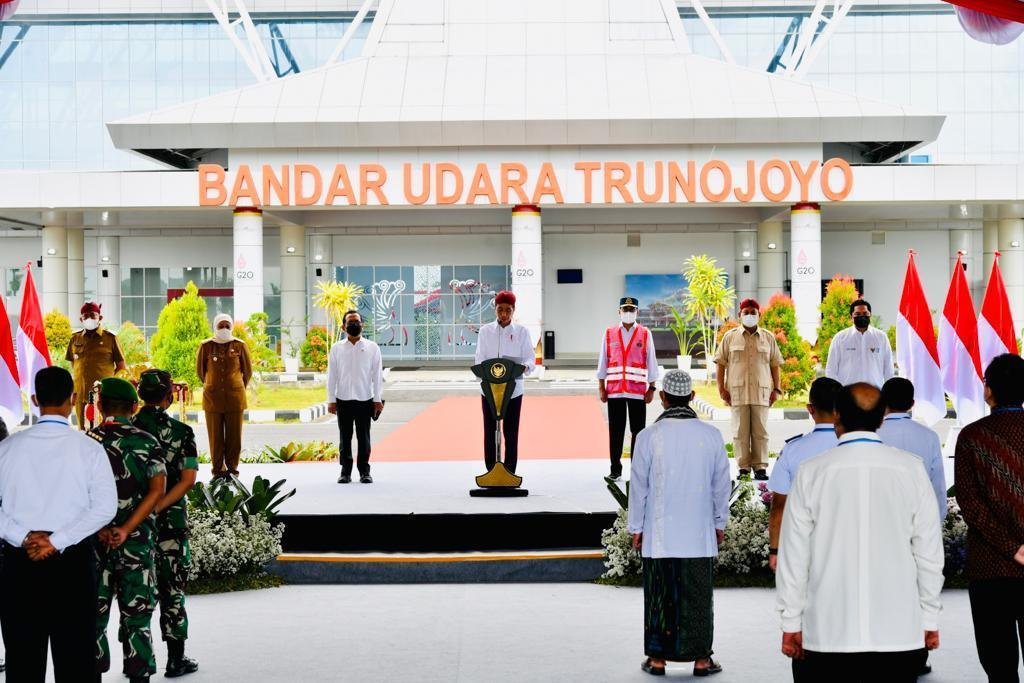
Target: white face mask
(628, 318)
(90, 323)
(749, 320)
(223, 334)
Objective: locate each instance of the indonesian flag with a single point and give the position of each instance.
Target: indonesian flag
(995, 324)
(33, 354)
(958, 350)
(916, 352)
(10, 392)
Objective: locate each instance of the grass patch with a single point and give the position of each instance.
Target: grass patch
(287, 398)
(709, 392)
(240, 582)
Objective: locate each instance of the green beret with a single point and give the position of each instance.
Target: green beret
(117, 389)
(154, 383)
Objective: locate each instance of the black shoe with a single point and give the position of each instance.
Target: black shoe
(366, 479)
(139, 679)
(615, 476)
(180, 666)
(710, 670)
(647, 667)
(743, 474)
(344, 478)
(761, 475)
(925, 670)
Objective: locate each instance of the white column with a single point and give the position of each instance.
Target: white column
(76, 263)
(293, 285)
(1011, 260)
(771, 270)
(745, 280)
(805, 267)
(248, 262)
(528, 269)
(108, 279)
(321, 258)
(55, 269)
(990, 241)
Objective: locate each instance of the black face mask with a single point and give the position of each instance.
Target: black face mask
(861, 322)
(354, 329)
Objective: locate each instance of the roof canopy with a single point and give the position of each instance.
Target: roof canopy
(553, 72)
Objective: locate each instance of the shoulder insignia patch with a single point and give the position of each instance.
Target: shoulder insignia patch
(794, 438)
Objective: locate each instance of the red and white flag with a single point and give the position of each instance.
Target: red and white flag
(11, 409)
(995, 324)
(916, 352)
(959, 356)
(33, 354)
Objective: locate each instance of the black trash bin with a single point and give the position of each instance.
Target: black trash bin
(549, 345)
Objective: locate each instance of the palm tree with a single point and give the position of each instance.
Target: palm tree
(709, 300)
(336, 298)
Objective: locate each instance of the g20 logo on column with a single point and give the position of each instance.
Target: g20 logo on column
(245, 275)
(524, 272)
(801, 265)
(805, 270)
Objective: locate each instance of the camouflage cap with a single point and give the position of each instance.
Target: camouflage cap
(117, 389)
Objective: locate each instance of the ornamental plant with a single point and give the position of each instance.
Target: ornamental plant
(180, 329)
(57, 328)
(133, 344)
(709, 299)
(254, 333)
(315, 349)
(835, 312)
(227, 543)
(337, 298)
(797, 371)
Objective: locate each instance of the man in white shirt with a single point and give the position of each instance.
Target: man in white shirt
(56, 490)
(821, 407)
(505, 339)
(860, 560)
(860, 353)
(355, 380)
(678, 507)
(627, 368)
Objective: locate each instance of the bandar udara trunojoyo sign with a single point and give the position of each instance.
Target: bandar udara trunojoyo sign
(586, 182)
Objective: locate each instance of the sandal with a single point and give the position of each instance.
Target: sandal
(651, 669)
(712, 668)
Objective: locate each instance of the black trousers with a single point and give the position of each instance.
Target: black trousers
(997, 609)
(50, 602)
(510, 430)
(859, 667)
(358, 414)
(617, 409)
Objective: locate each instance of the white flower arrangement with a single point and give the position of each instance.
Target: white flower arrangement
(224, 544)
(620, 558)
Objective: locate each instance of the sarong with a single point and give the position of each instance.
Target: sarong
(678, 608)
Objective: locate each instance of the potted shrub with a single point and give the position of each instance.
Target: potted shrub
(686, 337)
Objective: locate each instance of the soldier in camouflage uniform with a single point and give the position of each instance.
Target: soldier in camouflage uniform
(173, 555)
(126, 548)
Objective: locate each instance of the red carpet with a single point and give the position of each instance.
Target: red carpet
(551, 428)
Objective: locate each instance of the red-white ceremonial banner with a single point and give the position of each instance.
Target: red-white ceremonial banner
(959, 357)
(33, 354)
(995, 324)
(916, 351)
(11, 409)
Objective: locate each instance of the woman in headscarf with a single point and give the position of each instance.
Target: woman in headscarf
(223, 365)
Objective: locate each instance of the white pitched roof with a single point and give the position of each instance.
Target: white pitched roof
(533, 72)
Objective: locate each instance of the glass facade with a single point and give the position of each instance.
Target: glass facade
(919, 57)
(61, 81)
(429, 311)
(145, 291)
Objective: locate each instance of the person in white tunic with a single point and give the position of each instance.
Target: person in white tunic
(899, 430)
(505, 339)
(678, 507)
(860, 353)
(821, 407)
(860, 558)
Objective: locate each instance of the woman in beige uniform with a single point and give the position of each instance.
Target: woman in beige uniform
(223, 365)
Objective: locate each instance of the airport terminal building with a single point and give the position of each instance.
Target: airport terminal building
(436, 151)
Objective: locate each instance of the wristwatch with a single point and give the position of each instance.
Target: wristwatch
(773, 551)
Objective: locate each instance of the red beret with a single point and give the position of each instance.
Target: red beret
(91, 307)
(505, 297)
(750, 303)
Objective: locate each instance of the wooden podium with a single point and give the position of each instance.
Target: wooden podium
(497, 379)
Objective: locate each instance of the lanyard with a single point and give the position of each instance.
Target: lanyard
(868, 440)
(897, 417)
(1008, 409)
